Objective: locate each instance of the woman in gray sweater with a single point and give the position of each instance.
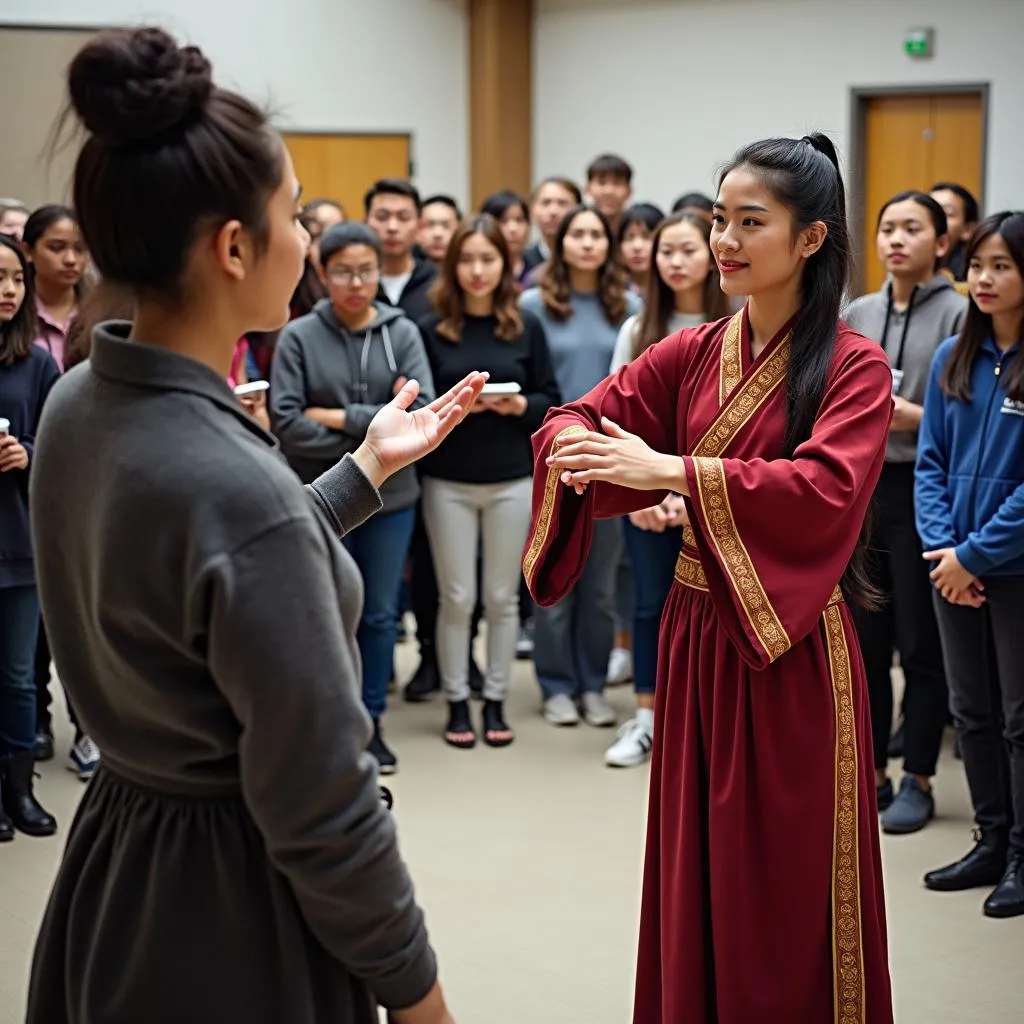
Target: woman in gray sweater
(231, 861)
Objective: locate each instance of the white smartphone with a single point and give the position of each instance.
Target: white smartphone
(501, 389)
(254, 387)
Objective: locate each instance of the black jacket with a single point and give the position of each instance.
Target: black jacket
(414, 300)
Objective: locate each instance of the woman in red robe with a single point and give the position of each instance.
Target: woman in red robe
(763, 889)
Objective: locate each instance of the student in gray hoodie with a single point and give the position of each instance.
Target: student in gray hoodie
(333, 370)
(915, 311)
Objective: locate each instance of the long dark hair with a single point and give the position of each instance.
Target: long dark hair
(39, 222)
(167, 153)
(956, 378)
(660, 301)
(803, 175)
(555, 281)
(18, 334)
(925, 201)
(448, 297)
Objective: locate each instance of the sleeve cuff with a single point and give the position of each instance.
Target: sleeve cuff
(346, 495)
(971, 560)
(411, 986)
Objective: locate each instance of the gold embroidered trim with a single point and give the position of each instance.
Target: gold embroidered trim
(689, 537)
(847, 936)
(542, 526)
(731, 369)
(690, 572)
(734, 415)
(714, 499)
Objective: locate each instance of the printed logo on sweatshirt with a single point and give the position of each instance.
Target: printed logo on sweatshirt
(1012, 408)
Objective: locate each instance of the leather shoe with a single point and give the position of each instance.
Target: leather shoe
(426, 681)
(18, 799)
(1008, 898)
(984, 865)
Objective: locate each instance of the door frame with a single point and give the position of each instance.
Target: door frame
(860, 96)
(360, 134)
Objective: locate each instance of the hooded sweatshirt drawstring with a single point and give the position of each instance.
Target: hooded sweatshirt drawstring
(898, 363)
(364, 358)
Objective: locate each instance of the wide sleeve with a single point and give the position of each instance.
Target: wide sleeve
(775, 537)
(300, 437)
(411, 360)
(279, 653)
(542, 392)
(933, 509)
(644, 398)
(343, 497)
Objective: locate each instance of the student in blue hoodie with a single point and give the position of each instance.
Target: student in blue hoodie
(333, 370)
(970, 514)
(915, 310)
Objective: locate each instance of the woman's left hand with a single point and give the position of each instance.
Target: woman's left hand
(617, 457)
(951, 579)
(396, 437)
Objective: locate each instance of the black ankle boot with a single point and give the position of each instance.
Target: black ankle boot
(426, 680)
(18, 799)
(1008, 898)
(984, 865)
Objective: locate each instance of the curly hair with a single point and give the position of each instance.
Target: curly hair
(556, 283)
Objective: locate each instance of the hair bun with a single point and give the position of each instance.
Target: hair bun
(131, 86)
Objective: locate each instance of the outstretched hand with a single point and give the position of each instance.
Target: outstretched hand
(617, 457)
(396, 437)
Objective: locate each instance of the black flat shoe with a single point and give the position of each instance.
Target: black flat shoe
(1008, 898)
(984, 865)
(884, 795)
(387, 763)
(459, 731)
(496, 731)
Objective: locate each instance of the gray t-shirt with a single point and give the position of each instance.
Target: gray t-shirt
(581, 347)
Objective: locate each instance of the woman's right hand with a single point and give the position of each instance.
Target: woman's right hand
(429, 1010)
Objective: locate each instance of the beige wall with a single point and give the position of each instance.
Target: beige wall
(32, 64)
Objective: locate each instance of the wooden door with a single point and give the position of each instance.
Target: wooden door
(912, 142)
(343, 167)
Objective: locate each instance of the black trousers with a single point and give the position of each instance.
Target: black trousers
(984, 650)
(906, 623)
(44, 719)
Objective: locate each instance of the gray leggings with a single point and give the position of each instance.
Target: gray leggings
(456, 515)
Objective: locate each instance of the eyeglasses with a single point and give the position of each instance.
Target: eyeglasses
(346, 275)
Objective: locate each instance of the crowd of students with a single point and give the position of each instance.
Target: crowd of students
(415, 290)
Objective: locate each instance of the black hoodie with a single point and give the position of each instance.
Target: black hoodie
(415, 298)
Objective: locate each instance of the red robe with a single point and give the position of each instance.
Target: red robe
(762, 895)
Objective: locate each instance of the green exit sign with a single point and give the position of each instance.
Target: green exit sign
(919, 42)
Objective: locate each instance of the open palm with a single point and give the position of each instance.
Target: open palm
(397, 437)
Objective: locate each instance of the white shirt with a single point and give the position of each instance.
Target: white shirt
(394, 286)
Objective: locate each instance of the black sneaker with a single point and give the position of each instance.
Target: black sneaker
(387, 763)
(43, 749)
(426, 681)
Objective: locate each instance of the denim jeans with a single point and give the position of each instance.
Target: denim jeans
(19, 623)
(380, 547)
(653, 556)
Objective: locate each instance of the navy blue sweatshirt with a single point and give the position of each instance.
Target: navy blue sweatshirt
(487, 447)
(24, 387)
(969, 482)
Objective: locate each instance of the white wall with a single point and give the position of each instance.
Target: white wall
(332, 65)
(676, 87)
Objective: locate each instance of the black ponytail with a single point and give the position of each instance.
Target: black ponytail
(803, 175)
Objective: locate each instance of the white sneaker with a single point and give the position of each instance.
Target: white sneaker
(597, 711)
(620, 667)
(84, 759)
(633, 746)
(561, 710)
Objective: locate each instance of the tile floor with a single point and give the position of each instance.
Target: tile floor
(528, 861)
